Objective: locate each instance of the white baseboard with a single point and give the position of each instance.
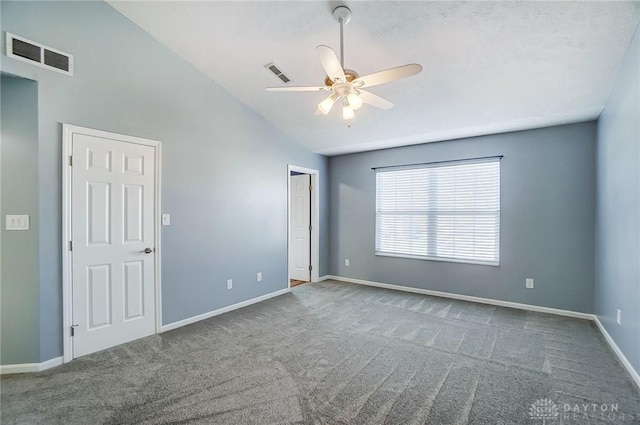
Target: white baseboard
(222, 310)
(471, 298)
(30, 367)
(325, 277)
(623, 359)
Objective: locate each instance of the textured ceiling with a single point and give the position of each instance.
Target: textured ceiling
(488, 66)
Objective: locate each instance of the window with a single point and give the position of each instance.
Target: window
(442, 211)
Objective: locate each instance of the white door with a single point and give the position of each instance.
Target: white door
(112, 209)
(300, 230)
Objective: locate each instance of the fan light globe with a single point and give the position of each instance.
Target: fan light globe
(347, 113)
(354, 101)
(326, 105)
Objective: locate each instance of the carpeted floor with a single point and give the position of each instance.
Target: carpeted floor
(337, 353)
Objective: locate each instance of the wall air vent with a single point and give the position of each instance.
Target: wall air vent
(38, 54)
(278, 73)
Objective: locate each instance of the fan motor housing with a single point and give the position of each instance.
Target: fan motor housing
(349, 73)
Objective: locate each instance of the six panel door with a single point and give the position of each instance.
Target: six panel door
(113, 281)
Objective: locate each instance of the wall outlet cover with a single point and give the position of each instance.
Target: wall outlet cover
(17, 222)
(529, 283)
(347, 262)
(229, 283)
(259, 276)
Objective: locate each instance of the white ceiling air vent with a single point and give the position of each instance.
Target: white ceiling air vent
(278, 73)
(38, 54)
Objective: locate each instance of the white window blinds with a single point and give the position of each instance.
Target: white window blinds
(447, 211)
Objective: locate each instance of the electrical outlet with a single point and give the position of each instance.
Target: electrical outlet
(346, 262)
(529, 283)
(17, 222)
(619, 317)
(229, 283)
(259, 276)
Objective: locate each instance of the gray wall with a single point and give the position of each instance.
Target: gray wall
(618, 209)
(224, 223)
(19, 280)
(547, 218)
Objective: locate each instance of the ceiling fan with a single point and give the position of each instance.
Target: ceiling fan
(345, 85)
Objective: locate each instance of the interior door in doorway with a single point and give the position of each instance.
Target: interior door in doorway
(300, 232)
(112, 221)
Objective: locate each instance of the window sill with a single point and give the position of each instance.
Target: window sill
(442, 259)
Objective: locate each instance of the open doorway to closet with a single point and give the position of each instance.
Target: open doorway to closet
(303, 227)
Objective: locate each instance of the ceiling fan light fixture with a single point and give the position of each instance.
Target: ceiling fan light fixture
(326, 105)
(355, 101)
(346, 85)
(347, 111)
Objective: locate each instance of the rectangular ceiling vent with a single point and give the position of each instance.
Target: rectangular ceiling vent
(278, 73)
(38, 54)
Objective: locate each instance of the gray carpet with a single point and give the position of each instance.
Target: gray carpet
(337, 353)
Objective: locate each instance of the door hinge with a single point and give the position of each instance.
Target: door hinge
(70, 245)
(310, 227)
(310, 188)
(70, 160)
(73, 330)
(310, 267)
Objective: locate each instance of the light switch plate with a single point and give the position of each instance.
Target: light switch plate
(17, 222)
(166, 219)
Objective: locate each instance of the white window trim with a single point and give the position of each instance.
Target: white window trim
(442, 259)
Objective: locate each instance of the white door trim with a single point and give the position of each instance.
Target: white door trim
(67, 302)
(315, 219)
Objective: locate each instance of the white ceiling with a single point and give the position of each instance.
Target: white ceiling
(488, 66)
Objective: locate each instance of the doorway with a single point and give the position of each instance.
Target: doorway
(300, 228)
(111, 239)
(303, 231)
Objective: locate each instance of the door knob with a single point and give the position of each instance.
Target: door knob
(147, 250)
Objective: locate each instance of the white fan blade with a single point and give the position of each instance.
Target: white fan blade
(330, 63)
(387, 75)
(322, 88)
(375, 100)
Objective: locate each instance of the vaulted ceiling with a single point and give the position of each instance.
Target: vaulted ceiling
(488, 66)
